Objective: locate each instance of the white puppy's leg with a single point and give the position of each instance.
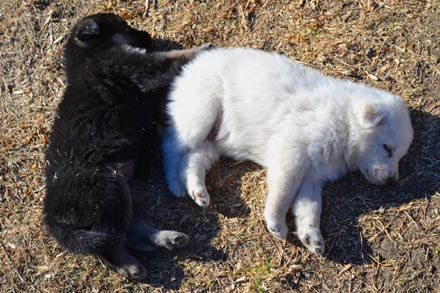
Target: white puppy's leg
(172, 157)
(307, 208)
(194, 109)
(284, 175)
(196, 163)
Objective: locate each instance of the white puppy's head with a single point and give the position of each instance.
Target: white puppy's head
(380, 135)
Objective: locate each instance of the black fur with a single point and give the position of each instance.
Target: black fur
(106, 124)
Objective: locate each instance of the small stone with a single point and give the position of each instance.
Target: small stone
(370, 53)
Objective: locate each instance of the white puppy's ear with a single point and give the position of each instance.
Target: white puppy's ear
(369, 115)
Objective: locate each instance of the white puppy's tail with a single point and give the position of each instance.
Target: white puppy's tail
(195, 105)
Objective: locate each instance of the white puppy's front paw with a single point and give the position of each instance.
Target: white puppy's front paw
(312, 239)
(276, 227)
(201, 198)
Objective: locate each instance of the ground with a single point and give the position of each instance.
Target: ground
(378, 240)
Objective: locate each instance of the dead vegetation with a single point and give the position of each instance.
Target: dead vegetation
(385, 240)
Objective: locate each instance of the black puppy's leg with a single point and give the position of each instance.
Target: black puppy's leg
(142, 234)
(119, 257)
(138, 242)
(124, 263)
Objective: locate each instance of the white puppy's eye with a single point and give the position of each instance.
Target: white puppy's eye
(388, 149)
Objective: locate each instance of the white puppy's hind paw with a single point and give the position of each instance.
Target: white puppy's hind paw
(312, 239)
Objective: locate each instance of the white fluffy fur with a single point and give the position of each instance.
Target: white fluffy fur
(304, 127)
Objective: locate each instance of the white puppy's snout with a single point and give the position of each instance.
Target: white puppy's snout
(390, 179)
(381, 176)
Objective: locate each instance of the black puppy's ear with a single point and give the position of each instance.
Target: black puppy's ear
(87, 29)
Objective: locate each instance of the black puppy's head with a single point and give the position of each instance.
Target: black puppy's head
(105, 30)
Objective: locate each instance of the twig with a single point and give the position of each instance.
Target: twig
(12, 263)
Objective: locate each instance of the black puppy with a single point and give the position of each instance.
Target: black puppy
(107, 122)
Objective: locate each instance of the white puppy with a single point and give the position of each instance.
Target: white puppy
(304, 127)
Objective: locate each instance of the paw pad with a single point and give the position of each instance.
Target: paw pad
(313, 240)
(307, 239)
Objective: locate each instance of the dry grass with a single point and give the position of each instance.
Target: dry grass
(384, 240)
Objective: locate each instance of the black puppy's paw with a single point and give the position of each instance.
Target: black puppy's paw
(132, 271)
(172, 239)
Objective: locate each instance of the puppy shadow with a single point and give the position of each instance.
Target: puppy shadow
(153, 202)
(224, 182)
(347, 200)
